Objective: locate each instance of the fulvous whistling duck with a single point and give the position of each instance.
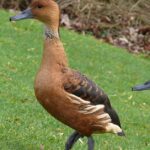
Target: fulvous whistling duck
(66, 94)
(145, 86)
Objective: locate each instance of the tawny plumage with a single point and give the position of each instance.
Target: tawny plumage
(66, 94)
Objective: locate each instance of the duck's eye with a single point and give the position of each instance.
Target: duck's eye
(39, 6)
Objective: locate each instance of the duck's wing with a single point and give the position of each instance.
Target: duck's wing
(82, 87)
(90, 100)
(85, 92)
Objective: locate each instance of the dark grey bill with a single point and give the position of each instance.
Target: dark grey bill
(145, 86)
(26, 14)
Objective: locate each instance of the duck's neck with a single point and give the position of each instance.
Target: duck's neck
(54, 57)
(51, 33)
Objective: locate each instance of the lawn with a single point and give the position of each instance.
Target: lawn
(25, 125)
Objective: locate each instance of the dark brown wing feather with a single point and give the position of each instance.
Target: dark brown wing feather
(79, 85)
(84, 88)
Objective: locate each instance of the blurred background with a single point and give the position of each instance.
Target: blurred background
(119, 22)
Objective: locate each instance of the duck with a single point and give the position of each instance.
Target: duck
(142, 87)
(68, 95)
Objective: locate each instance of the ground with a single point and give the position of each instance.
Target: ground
(25, 125)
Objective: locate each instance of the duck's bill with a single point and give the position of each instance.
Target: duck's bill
(145, 86)
(26, 14)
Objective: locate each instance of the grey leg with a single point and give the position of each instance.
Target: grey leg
(72, 140)
(90, 143)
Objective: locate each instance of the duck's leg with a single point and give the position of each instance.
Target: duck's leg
(72, 140)
(90, 143)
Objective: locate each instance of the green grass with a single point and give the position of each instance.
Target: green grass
(25, 125)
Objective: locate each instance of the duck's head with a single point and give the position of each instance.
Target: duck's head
(46, 11)
(145, 86)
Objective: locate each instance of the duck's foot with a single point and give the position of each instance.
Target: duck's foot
(90, 143)
(72, 140)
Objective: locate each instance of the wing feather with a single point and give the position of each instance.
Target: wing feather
(79, 85)
(86, 108)
(91, 99)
